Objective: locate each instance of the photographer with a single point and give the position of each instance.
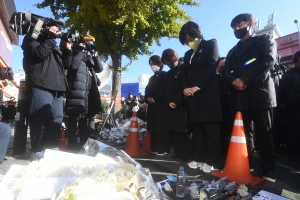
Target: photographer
(5, 131)
(83, 98)
(46, 82)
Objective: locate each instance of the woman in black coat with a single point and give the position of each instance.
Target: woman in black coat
(175, 100)
(157, 108)
(202, 94)
(83, 98)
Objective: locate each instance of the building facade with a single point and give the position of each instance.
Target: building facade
(7, 39)
(287, 46)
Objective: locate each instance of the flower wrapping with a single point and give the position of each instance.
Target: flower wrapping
(102, 173)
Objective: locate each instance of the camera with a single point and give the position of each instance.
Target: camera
(84, 39)
(28, 23)
(6, 73)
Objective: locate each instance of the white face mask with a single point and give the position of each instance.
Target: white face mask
(155, 68)
(173, 65)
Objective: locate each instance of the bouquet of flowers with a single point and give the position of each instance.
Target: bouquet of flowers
(102, 173)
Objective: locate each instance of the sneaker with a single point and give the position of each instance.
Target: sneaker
(194, 164)
(269, 175)
(158, 153)
(161, 153)
(206, 168)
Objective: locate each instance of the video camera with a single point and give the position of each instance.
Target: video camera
(84, 39)
(6, 73)
(28, 23)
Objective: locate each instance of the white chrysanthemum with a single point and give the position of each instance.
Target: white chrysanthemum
(243, 190)
(112, 179)
(167, 187)
(129, 175)
(194, 191)
(202, 196)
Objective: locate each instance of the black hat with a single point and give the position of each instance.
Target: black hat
(296, 56)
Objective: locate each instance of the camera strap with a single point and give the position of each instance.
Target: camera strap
(37, 29)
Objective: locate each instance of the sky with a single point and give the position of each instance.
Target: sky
(213, 16)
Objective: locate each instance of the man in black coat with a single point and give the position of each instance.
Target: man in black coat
(247, 70)
(46, 82)
(83, 97)
(291, 93)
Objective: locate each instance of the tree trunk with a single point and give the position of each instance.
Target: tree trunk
(116, 80)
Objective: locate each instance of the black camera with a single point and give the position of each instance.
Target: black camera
(82, 39)
(28, 23)
(6, 73)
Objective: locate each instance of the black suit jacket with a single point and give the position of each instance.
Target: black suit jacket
(173, 93)
(260, 91)
(205, 105)
(156, 115)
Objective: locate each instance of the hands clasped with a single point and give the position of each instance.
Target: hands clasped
(190, 91)
(239, 84)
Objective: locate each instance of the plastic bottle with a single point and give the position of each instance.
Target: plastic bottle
(180, 186)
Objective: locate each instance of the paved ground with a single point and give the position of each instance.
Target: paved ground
(287, 171)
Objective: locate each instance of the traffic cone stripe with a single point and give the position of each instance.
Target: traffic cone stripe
(134, 129)
(238, 139)
(134, 118)
(238, 122)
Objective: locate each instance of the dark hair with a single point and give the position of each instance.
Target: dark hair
(157, 61)
(296, 56)
(245, 17)
(169, 55)
(190, 28)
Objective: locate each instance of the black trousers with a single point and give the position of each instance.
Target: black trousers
(160, 141)
(206, 142)
(182, 145)
(262, 121)
(45, 118)
(74, 123)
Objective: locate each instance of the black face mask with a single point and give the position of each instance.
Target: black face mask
(239, 34)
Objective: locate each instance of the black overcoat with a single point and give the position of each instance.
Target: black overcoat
(157, 112)
(174, 93)
(82, 82)
(43, 65)
(251, 61)
(200, 71)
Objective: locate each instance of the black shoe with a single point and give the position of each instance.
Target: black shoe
(269, 175)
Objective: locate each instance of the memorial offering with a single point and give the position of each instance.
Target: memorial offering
(102, 173)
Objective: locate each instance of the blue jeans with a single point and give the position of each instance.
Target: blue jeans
(45, 118)
(5, 133)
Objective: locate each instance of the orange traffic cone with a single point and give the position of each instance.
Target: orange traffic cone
(133, 142)
(62, 143)
(147, 143)
(237, 163)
